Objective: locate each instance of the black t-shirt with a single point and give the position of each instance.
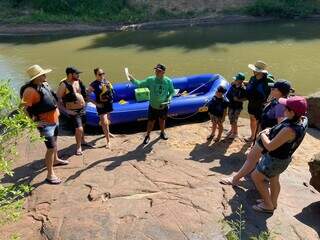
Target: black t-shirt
(258, 90)
(239, 92)
(217, 106)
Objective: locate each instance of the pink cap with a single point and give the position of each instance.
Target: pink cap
(297, 104)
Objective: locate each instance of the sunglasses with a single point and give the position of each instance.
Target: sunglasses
(101, 74)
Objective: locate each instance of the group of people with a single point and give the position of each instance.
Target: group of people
(277, 121)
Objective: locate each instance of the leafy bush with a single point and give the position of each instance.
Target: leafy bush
(283, 8)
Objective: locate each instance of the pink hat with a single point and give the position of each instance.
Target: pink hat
(297, 104)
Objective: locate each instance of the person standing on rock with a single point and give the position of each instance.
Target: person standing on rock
(278, 144)
(40, 103)
(71, 94)
(103, 92)
(257, 93)
(272, 115)
(161, 91)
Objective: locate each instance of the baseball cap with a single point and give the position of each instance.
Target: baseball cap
(160, 67)
(240, 76)
(72, 70)
(283, 86)
(297, 104)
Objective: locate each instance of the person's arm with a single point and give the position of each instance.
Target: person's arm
(90, 90)
(170, 91)
(60, 93)
(285, 135)
(139, 83)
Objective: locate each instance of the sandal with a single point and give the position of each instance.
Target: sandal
(260, 208)
(261, 201)
(79, 152)
(54, 181)
(60, 162)
(249, 139)
(228, 181)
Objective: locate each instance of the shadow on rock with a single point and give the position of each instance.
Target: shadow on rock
(138, 154)
(310, 216)
(26, 173)
(206, 153)
(255, 222)
(233, 162)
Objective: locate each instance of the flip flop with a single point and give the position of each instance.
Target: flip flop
(54, 181)
(79, 153)
(227, 181)
(248, 139)
(61, 163)
(261, 201)
(261, 209)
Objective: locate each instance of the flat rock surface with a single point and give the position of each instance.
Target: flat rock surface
(165, 190)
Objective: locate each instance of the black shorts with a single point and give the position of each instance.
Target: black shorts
(50, 133)
(255, 109)
(107, 108)
(79, 119)
(154, 114)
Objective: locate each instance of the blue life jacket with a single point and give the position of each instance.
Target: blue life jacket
(266, 121)
(258, 90)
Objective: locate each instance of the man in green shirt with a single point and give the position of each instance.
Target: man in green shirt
(161, 91)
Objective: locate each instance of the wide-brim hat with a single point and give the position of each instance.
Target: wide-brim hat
(259, 66)
(35, 71)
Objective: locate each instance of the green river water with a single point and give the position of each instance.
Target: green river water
(291, 49)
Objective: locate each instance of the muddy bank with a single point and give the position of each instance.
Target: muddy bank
(35, 29)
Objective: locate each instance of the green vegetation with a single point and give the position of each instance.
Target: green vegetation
(284, 8)
(13, 125)
(236, 228)
(107, 11)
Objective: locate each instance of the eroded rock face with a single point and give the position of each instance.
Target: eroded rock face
(184, 6)
(314, 167)
(314, 110)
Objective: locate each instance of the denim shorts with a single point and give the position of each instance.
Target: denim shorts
(271, 166)
(233, 115)
(50, 133)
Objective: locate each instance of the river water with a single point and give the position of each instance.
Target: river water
(291, 50)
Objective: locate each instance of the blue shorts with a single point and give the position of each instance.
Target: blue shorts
(271, 166)
(50, 133)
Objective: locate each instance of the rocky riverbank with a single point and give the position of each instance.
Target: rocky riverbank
(165, 190)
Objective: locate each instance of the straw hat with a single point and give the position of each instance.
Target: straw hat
(36, 71)
(259, 66)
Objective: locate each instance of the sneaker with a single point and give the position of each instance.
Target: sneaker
(146, 139)
(164, 136)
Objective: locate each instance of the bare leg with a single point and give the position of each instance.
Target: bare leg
(150, 126)
(49, 158)
(79, 138)
(105, 127)
(250, 163)
(275, 189)
(213, 128)
(253, 126)
(258, 179)
(162, 123)
(220, 128)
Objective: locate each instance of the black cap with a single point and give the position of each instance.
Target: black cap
(160, 67)
(222, 89)
(72, 70)
(283, 86)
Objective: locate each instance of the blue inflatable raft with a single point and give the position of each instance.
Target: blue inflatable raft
(192, 95)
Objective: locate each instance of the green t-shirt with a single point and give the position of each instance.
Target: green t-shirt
(161, 90)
